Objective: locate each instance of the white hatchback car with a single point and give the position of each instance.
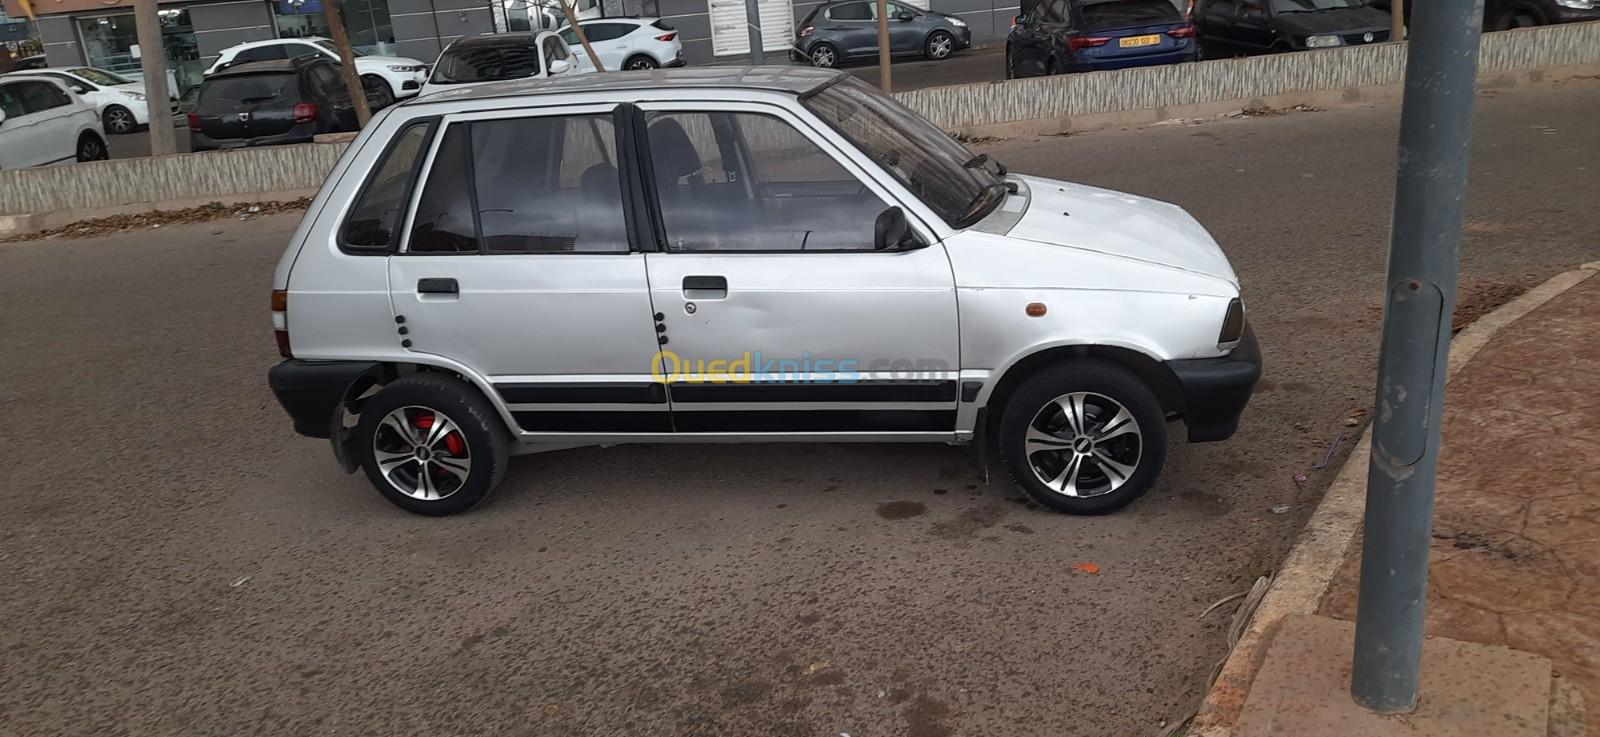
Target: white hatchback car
(387, 78)
(43, 123)
(120, 101)
(738, 255)
(471, 61)
(627, 43)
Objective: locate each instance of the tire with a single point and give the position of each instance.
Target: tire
(1104, 472)
(824, 55)
(640, 62)
(92, 148)
(1011, 65)
(940, 45)
(461, 465)
(118, 120)
(379, 94)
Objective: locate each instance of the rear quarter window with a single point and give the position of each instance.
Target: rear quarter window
(374, 222)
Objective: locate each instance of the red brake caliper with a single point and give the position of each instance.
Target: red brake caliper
(452, 442)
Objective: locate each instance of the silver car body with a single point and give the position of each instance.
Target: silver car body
(1112, 270)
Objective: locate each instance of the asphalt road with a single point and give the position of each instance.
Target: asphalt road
(986, 64)
(176, 561)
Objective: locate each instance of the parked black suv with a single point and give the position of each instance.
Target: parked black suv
(1504, 15)
(1231, 27)
(265, 103)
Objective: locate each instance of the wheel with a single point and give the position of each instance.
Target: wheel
(91, 148)
(640, 62)
(1083, 438)
(379, 96)
(432, 444)
(940, 45)
(118, 120)
(1521, 19)
(825, 56)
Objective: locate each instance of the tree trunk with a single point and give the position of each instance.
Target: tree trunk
(347, 61)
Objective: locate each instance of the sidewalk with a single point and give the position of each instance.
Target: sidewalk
(1516, 551)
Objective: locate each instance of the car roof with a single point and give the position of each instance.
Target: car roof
(273, 41)
(271, 65)
(641, 20)
(514, 38)
(793, 80)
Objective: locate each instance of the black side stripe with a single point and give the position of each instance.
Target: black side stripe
(860, 391)
(584, 393)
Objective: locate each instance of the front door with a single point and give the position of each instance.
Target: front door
(769, 282)
(517, 265)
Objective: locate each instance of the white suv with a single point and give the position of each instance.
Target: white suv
(775, 254)
(41, 123)
(627, 43)
(386, 78)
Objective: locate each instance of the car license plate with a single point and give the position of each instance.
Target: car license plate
(1133, 42)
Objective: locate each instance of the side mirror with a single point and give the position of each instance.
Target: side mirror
(80, 89)
(892, 232)
(560, 66)
(904, 16)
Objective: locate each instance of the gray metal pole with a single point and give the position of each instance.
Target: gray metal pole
(1424, 238)
(752, 21)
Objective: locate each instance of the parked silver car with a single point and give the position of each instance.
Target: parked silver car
(738, 255)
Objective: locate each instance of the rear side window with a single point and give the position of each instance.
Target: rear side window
(220, 94)
(375, 219)
(1109, 16)
(486, 64)
(665, 26)
(10, 101)
(598, 32)
(444, 222)
(39, 96)
(851, 11)
(261, 53)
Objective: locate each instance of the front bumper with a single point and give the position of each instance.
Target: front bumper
(1215, 390)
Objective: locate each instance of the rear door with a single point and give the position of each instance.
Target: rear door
(517, 265)
(854, 27)
(769, 282)
(21, 140)
(246, 106)
(51, 134)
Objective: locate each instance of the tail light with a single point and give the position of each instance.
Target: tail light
(280, 321)
(1184, 32)
(305, 112)
(667, 36)
(194, 122)
(808, 30)
(1085, 42)
(1016, 20)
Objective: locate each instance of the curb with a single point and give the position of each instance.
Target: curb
(1311, 564)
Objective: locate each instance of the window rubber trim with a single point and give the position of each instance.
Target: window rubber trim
(432, 122)
(646, 233)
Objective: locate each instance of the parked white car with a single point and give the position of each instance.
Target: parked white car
(627, 43)
(401, 77)
(471, 61)
(734, 255)
(41, 122)
(119, 101)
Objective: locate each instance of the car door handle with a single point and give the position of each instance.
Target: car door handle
(705, 287)
(438, 286)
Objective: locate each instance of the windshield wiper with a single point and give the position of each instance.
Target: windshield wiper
(980, 206)
(981, 159)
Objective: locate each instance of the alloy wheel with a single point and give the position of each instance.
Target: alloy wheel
(91, 149)
(119, 120)
(641, 62)
(422, 453)
(1083, 444)
(940, 46)
(822, 56)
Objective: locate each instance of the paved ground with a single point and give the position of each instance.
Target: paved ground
(137, 143)
(987, 64)
(175, 560)
(1516, 551)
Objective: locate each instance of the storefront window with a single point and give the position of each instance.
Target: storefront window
(367, 22)
(109, 42)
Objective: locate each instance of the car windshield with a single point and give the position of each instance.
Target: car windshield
(1110, 16)
(330, 46)
(100, 76)
(486, 64)
(1309, 6)
(938, 170)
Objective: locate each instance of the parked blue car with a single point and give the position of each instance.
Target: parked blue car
(1060, 36)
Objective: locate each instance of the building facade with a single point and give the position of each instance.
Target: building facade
(95, 33)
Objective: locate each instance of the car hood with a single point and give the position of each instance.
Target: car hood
(1119, 224)
(1337, 20)
(387, 60)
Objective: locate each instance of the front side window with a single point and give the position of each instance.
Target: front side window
(960, 188)
(261, 53)
(375, 219)
(752, 182)
(11, 100)
(524, 185)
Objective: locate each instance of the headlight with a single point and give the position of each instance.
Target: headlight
(1232, 324)
(1322, 42)
(401, 68)
(1577, 4)
(134, 95)
(958, 23)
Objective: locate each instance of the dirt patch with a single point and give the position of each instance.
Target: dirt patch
(926, 717)
(969, 523)
(158, 218)
(901, 510)
(1479, 298)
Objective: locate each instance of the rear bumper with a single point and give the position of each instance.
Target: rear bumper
(1575, 15)
(298, 134)
(1216, 390)
(311, 391)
